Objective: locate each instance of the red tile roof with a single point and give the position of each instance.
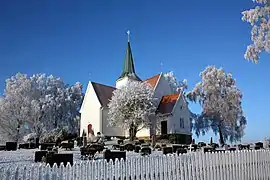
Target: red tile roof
(153, 80)
(167, 103)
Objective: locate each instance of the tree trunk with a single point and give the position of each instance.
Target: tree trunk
(154, 140)
(132, 132)
(221, 139)
(18, 133)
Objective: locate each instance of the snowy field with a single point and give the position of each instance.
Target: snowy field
(24, 157)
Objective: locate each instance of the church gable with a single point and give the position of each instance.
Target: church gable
(88, 96)
(104, 93)
(153, 80)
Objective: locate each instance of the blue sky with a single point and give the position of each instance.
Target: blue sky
(86, 40)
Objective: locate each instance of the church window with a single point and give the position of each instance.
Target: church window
(182, 123)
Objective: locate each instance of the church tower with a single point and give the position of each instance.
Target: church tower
(128, 72)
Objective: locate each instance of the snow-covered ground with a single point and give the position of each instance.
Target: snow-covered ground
(23, 157)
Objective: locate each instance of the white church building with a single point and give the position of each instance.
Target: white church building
(94, 110)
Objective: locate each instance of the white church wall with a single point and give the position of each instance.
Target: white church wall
(90, 114)
(145, 132)
(107, 130)
(162, 88)
(180, 111)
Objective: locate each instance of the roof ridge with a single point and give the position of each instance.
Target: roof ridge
(152, 77)
(103, 84)
(173, 94)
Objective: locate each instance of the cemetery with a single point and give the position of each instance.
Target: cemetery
(122, 159)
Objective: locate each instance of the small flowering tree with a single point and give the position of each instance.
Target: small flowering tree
(132, 107)
(221, 105)
(259, 18)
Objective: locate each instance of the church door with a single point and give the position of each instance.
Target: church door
(90, 129)
(163, 127)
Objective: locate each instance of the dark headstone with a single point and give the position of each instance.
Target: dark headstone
(145, 151)
(122, 148)
(67, 146)
(37, 142)
(79, 141)
(207, 149)
(175, 147)
(129, 147)
(46, 146)
(98, 147)
(71, 141)
(163, 145)
(27, 146)
(114, 155)
(181, 151)
(214, 145)
(39, 155)
(158, 147)
(240, 146)
(145, 145)
(246, 147)
(259, 145)
(137, 143)
(11, 146)
(137, 149)
(116, 146)
(201, 144)
(141, 141)
(58, 142)
(194, 146)
(167, 150)
(120, 141)
(2, 147)
(59, 158)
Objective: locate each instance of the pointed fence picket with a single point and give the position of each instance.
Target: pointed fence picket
(240, 165)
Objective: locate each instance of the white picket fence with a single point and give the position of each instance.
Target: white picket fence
(237, 165)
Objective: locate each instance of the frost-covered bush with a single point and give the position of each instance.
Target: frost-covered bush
(29, 137)
(53, 135)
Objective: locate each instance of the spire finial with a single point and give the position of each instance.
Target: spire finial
(128, 33)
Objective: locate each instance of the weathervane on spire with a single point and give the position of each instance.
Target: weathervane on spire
(128, 33)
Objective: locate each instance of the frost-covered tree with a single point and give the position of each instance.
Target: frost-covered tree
(42, 102)
(259, 18)
(132, 107)
(221, 105)
(16, 106)
(176, 86)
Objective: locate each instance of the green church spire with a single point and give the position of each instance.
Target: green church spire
(128, 69)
